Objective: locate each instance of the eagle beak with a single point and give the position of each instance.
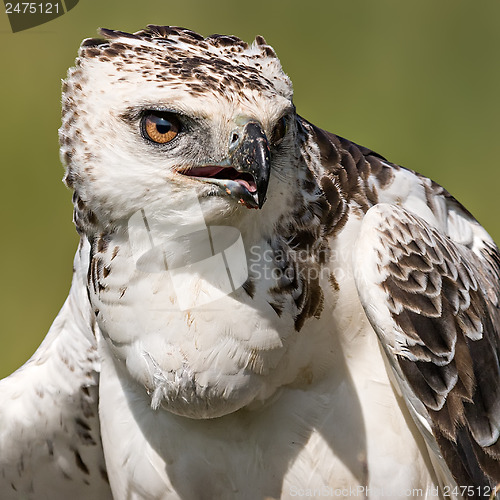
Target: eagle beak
(250, 155)
(244, 173)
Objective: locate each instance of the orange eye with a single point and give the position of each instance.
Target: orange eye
(161, 127)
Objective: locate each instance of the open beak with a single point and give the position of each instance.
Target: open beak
(244, 175)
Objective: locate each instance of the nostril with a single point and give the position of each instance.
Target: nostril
(235, 139)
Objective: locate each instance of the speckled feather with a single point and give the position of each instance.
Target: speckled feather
(443, 298)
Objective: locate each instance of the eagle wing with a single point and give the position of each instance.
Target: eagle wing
(50, 444)
(434, 304)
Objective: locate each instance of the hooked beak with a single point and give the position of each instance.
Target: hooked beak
(244, 175)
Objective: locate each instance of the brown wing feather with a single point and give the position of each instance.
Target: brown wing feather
(443, 298)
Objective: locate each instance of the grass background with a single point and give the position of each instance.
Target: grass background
(416, 80)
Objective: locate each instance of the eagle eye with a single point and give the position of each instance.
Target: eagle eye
(160, 126)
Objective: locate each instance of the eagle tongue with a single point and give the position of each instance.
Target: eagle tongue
(250, 186)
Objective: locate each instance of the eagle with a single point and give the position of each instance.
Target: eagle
(259, 308)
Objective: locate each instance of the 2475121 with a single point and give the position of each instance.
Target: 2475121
(32, 8)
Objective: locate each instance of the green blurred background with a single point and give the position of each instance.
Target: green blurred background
(416, 80)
